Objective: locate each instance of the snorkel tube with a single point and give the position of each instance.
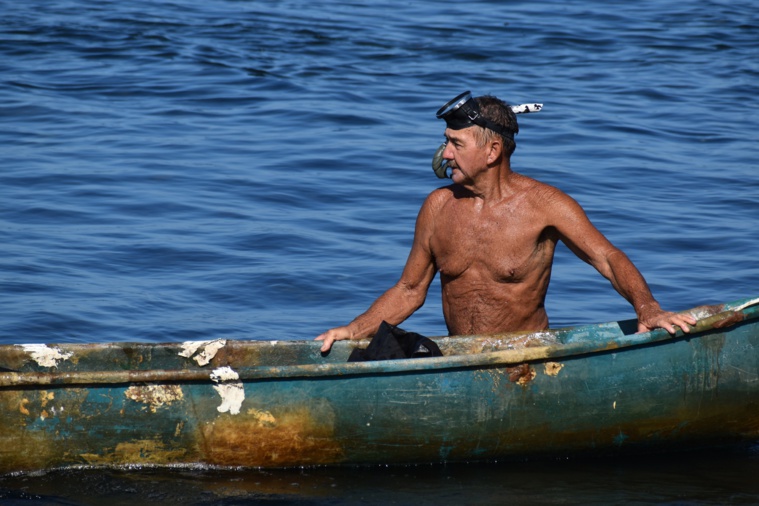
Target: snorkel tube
(463, 112)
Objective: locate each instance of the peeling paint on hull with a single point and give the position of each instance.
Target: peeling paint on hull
(44, 355)
(229, 389)
(596, 389)
(208, 350)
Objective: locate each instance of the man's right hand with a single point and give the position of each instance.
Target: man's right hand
(332, 335)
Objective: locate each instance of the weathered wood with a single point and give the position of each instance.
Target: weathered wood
(596, 388)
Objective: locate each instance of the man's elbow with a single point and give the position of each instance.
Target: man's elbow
(414, 296)
(605, 262)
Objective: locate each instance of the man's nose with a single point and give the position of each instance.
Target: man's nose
(448, 152)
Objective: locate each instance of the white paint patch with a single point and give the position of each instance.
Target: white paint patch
(224, 374)
(46, 356)
(190, 347)
(209, 349)
(229, 388)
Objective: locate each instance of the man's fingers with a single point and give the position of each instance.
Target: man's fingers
(327, 342)
(685, 323)
(668, 323)
(327, 345)
(329, 338)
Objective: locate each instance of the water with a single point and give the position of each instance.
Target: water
(710, 479)
(252, 170)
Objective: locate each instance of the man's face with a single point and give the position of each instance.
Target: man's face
(466, 159)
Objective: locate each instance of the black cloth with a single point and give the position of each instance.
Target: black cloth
(391, 342)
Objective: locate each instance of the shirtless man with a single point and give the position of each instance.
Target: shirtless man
(492, 236)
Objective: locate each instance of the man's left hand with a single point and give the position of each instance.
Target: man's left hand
(665, 320)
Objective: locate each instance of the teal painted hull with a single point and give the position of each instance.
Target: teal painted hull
(597, 389)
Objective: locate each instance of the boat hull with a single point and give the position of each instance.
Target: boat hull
(257, 404)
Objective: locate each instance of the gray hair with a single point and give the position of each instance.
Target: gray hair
(499, 112)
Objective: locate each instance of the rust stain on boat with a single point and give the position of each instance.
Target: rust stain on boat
(298, 436)
(22, 406)
(521, 374)
(265, 419)
(553, 368)
(731, 320)
(454, 346)
(154, 396)
(144, 451)
(44, 397)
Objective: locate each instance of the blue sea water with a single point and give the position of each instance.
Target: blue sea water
(177, 170)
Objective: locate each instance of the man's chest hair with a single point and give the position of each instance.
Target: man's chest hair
(499, 253)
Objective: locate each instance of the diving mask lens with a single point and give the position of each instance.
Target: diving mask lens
(461, 112)
(454, 105)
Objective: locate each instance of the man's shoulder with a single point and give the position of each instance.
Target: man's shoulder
(441, 195)
(552, 203)
(530, 183)
(437, 200)
(540, 190)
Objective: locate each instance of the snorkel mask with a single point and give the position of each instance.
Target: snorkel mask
(463, 112)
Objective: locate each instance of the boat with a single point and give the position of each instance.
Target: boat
(585, 390)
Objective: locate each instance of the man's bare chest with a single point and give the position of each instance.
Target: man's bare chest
(503, 247)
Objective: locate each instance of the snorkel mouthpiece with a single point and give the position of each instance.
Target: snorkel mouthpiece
(463, 112)
(439, 164)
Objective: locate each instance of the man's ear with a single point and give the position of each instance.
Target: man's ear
(496, 149)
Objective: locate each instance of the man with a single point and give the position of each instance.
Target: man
(492, 236)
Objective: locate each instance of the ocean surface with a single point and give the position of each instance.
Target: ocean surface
(184, 170)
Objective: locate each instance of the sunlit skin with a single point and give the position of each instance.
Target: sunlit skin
(492, 235)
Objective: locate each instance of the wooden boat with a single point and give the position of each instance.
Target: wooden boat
(599, 388)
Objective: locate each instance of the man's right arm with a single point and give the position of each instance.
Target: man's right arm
(403, 298)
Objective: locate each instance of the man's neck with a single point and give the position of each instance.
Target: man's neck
(495, 184)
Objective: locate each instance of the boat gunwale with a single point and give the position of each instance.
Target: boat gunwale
(734, 313)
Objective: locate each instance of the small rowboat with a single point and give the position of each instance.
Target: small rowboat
(594, 389)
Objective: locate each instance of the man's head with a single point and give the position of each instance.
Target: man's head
(500, 113)
(488, 115)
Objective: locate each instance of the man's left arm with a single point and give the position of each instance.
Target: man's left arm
(589, 244)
